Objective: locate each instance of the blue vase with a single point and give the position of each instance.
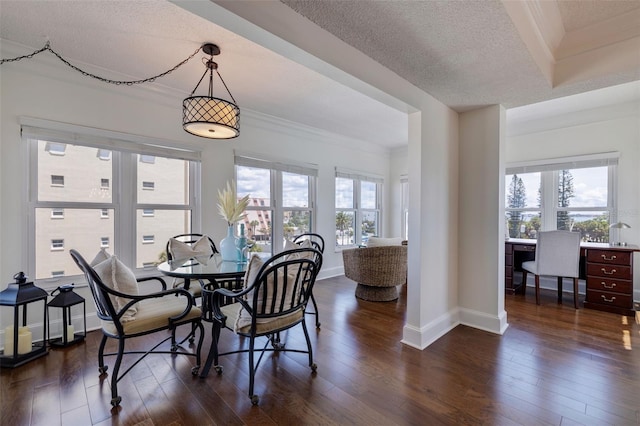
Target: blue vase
(228, 248)
(241, 243)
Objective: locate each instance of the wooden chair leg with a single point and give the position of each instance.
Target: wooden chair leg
(523, 286)
(560, 290)
(537, 289)
(575, 293)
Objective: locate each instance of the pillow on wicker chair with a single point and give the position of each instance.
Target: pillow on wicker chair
(378, 242)
(117, 276)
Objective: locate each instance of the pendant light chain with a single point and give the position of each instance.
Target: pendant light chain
(48, 47)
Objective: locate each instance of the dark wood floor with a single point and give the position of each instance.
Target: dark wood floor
(554, 365)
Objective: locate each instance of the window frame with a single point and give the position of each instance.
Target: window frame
(358, 178)
(549, 170)
(123, 150)
(276, 168)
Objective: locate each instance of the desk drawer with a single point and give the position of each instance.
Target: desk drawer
(524, 247)
(609, 271)
(612, 257)
(611, 299)
(609, 285)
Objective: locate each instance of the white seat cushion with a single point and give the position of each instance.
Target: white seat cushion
(377, 241)
(153, 314)
(263, 325)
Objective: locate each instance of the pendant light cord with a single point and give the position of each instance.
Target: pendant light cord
(47, 47)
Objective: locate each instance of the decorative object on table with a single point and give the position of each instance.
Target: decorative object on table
(617, 227)
(210, 117)
(72, 305)
(231, 210)
(204, 116)
(19, 347)
(241, 244)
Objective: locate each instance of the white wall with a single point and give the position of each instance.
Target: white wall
(41, 88)
(612, 128)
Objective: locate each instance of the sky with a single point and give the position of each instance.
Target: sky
(589, 187)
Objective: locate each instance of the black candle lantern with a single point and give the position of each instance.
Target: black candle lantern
(70, 303)
(19, 347)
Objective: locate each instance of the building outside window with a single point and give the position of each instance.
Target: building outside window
(54, 148)
(358, 207)
(577, 195)
(91, 211)
(281, 202)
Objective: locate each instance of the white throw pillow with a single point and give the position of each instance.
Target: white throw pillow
(253, 268)
(100, 257)
(180, 250)
(290, 245)
(117, 276)
(378, 242)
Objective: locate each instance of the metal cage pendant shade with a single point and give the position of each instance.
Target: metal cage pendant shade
(208, 116)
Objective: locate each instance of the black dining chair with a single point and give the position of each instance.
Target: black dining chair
(274, 300)
(125, 316)
(317, 242)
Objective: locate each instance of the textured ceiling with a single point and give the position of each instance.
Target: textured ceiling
(466, 53)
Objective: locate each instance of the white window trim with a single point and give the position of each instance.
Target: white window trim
(276, 167)
(33, 129)
(549, 168)
(358, 177)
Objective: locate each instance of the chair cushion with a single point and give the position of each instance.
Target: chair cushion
(117, 276)
(181, 250)
(263, 325)
(153, 314)
(243, 319)
(530, 266)
(377, 241)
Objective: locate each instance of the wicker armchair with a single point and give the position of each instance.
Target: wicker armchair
(377, 270)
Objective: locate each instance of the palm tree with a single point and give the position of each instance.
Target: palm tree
(343, 222)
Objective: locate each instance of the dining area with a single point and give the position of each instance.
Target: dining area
(257, 298)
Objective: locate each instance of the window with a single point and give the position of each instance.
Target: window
(281, 202)
(358, 199)
(57, 274)
(150, 159)
(149, 185)
(104, 183)
(96, 218)
(57, 180)
(54, 148)
(148, 212)
(575, 194)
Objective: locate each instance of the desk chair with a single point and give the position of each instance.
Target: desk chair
(557, 255)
